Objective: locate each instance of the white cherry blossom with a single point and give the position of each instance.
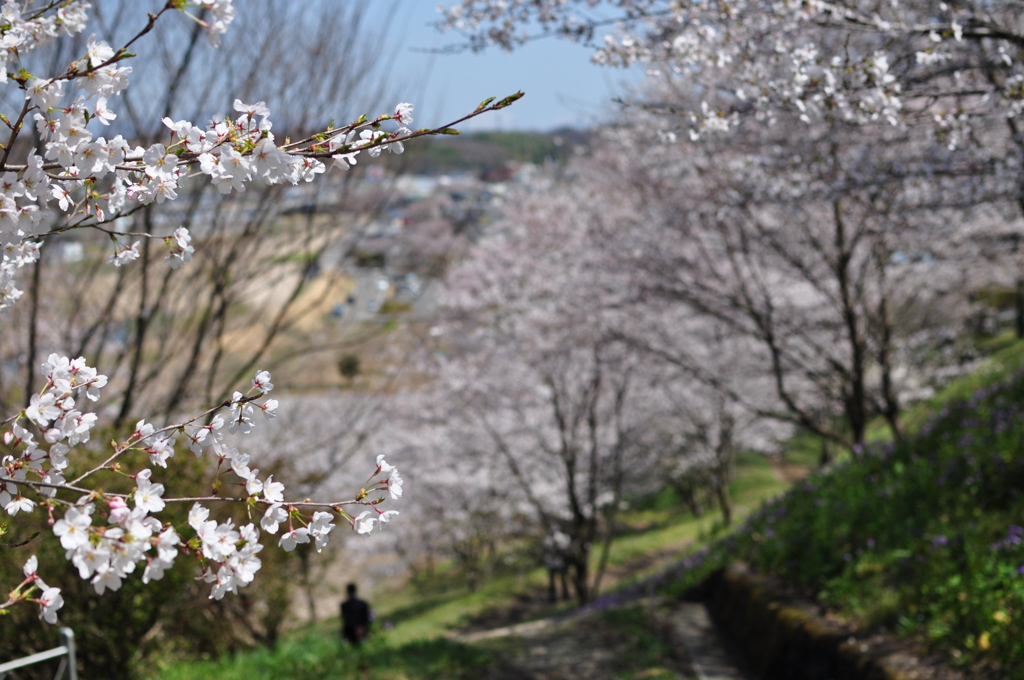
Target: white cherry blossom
(363, 522)
(147, 495)
(291, 538)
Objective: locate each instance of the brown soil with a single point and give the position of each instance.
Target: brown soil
(788, 471)
(527, 607)
(645, 564)
(587, 648)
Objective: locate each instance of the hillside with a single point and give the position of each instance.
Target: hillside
(480, 153)
(920, 537)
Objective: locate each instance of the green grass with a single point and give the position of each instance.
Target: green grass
(421, 614)
(669, 530)
(320, 655)
(1004, 355)
(395, 307)
(755, 481)
(432, 606)
(429, 612)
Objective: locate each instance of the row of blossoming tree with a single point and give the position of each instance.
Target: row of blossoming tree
(838, 141)
(786, 229)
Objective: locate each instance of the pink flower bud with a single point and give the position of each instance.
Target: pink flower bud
(118, 510)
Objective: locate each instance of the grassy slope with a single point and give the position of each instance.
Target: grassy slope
(920, 536)
(319, 655)
(662, 533)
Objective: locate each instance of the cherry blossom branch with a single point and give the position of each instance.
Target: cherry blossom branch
(307, 503)
(73, 72)
(48, 485)
(137, 437)
(315, 151)
(15, 130)
(134, 532)
(335, 505)
(485, 107)
(20, 544)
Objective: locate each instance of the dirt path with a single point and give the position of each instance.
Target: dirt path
(712, 658)
(788, 471)
(650, 639)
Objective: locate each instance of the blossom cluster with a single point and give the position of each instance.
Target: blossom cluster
(106, 555)
(813, 60)
(50, 600)
(27, 31)
(92, 179)
(34, 472)
(54, 415)
(389, 480)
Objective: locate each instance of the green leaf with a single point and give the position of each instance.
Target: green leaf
(508, 101)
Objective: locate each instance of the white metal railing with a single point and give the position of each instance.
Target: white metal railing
(67, 663)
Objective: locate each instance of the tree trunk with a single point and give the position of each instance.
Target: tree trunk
(606, 545)
(688, 493)
(724, 468)
(33, 325)
(581, 575)
(856, 397)
(889, 393)
(722, 491)
(307, 581)
(1020, 307)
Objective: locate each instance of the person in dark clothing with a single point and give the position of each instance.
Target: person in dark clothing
(355, 617)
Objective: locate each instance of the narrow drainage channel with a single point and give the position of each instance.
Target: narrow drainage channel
(712, 656)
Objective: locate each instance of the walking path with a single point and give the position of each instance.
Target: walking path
(526, 628)
(586, 646)
(709, 654)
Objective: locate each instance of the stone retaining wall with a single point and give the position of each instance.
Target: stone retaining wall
(787, 640)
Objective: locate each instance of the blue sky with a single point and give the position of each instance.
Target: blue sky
(562, 86)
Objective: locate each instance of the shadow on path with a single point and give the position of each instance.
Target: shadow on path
(648, 638)
(711, 655)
